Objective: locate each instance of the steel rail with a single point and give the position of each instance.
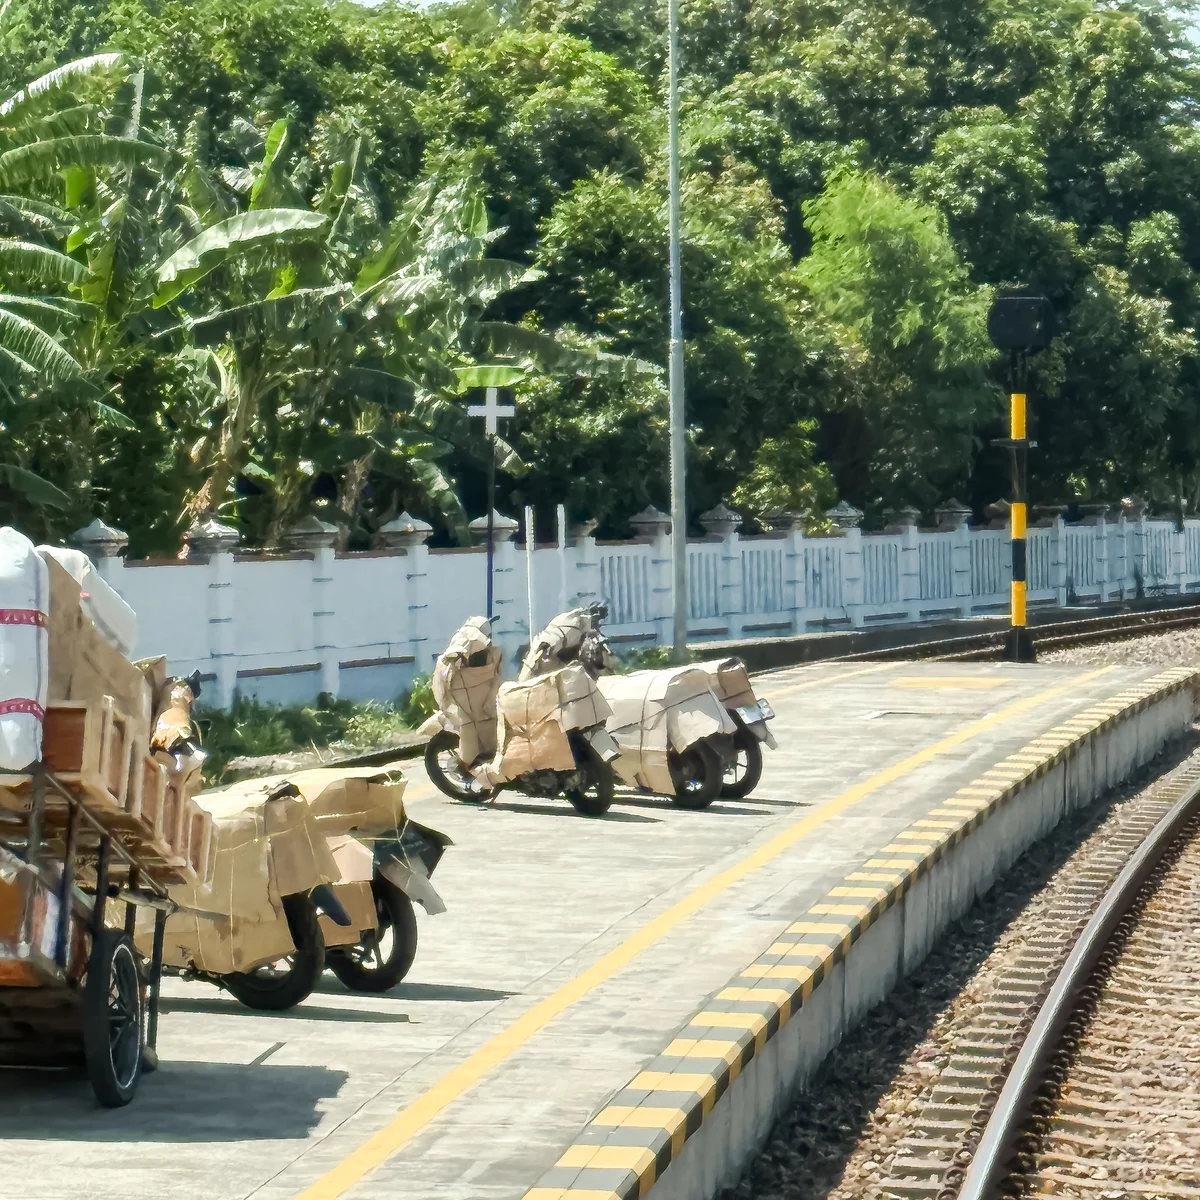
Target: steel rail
(989, 1165)
(1058, 634)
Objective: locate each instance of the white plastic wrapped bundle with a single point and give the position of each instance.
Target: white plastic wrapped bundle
(24, 650)
(114, 620)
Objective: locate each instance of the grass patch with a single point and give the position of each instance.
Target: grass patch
(650, 658)
(250, 728)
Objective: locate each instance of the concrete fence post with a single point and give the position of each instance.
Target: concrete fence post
(853, 576)
(847, 518)
(794, 598)
(1100, 555)
(508, 628)
(723, 522)
(1178, 564)
(409, 533)
(1119, 562)
(904, 521)
(215, 543)
(317, 537)
(104, 545)
(961, 560)
(652, 529)
(560, 515)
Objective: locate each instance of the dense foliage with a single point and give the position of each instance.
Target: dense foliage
(257, 265)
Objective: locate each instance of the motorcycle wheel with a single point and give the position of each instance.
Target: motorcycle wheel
(445, 770)
(383, 958)
(283, 984)
(596, 797)
(697, 774)
(742, 775)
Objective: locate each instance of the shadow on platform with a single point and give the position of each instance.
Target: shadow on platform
(565, 810)
(180, 1102)
(445, 992)
(303, 1012)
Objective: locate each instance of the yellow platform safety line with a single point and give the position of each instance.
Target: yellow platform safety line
(818, 950)
(628, 1158)
(861, 893)
(414, 1117)
(751, 995)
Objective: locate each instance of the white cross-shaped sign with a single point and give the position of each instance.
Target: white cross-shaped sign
(491, 411)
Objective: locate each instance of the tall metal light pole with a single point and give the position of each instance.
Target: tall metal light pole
(675, 358)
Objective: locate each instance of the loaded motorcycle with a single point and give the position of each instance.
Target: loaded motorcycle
(677, 732)
(545, 734)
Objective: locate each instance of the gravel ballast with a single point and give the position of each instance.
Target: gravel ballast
(839, 1139)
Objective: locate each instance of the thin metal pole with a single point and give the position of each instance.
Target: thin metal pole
(491, 507)
(1020, 645)
(675, 359)
(529, 548)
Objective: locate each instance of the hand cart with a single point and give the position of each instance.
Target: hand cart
(72, 984)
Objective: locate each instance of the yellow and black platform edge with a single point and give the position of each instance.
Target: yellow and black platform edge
(630, 1142)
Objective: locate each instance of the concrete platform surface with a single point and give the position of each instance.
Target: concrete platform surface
(572, 953)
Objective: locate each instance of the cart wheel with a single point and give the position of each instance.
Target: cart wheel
(112, 1019)
(385, 955)
(744, 772)
(277, 986)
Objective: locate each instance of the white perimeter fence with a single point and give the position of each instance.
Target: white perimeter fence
(284, 626)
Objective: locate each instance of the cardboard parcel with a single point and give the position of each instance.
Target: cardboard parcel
(534, 718)
(654, 712)
(465, 682)
(731, 681)
(270, 848)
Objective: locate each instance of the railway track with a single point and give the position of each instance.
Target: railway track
(1050, 635)
(1079, 1073)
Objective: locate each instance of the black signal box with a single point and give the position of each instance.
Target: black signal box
(1020, 321)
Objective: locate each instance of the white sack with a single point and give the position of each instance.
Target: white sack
(114, 620)
(24, 650)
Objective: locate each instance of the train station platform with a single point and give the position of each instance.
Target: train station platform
(624, 1004)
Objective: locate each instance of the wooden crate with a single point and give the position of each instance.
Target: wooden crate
(176, 825)
(91, 746)
(202, 848)
(147, 801)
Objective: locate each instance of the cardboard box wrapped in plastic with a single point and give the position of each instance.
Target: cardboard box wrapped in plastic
(654, 712)
(731, 681)
(270, 848)
(84, 668)
(534, 718)
(465, 681)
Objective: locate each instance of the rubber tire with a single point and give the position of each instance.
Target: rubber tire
(443, 740)
(706, 764)
(286, 991)
(744, 740)
(586, 804)
(392, 905)
(111, 949)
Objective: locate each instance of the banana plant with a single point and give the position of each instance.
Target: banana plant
(54, 132)
(345, 346)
